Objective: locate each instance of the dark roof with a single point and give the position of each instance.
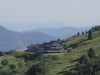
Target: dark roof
(51, 42)
(44, 44)
(36, 45)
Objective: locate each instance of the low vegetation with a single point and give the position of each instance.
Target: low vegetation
(82, 58)
(87, 65)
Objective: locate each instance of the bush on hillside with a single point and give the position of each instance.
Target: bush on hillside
(87, 65)
(4, 62)
(55, 57)
(91, 53)
(12, 51)
(38, 69)
(90, 35)
(12, 67)
(21, 64)
(69, 50)
(2, 53)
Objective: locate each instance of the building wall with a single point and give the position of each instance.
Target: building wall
(32, 49)
(41, 50)
(56, 46)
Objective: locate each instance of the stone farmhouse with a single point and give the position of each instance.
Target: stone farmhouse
(47, 47)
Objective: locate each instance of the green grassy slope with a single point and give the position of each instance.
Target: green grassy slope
(57, 63)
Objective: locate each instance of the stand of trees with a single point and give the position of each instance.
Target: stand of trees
(39, 69)
(87, 65)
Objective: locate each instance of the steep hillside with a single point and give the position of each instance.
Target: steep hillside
(14, 40)
(57, 64)
(82, 43)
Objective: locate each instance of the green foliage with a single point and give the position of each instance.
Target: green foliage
(69, 50)
(90, 35)
(76, 62)
(97, 73)
(93, 28)
(58, 40)
(83, 59)
(74, 36)
(39, 69)
(29, 56)
(82, 33)
(86, 32)
(21, 64)
(86, 65)
(12, 67)
(96, 28)
(91, 53)
(29, 64)
(78, 34)
(4, 62)
(12, 51)
(55, 57)
(65, 47)
(2, 53)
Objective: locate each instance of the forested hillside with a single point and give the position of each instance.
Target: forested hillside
(10, 40)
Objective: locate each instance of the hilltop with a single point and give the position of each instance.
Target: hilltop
(57, 64)
(81, 43)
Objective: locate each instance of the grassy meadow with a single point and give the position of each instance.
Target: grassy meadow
(57, 63)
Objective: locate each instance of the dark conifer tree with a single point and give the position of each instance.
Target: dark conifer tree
(91, 53)
(58, 40)
(86, 32)
(82, 33)
(93, 28)
(78, 34)
(90, 35)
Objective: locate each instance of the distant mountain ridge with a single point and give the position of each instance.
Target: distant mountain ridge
(10, 40)
(62, 33)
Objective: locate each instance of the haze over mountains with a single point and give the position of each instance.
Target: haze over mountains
(27, 26)
(56, 29)
(62, 33)
(10, 40)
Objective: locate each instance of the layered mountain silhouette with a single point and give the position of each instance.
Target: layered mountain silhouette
(11, 40)
(62, 33)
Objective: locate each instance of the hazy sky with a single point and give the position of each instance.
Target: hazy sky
(42, 11)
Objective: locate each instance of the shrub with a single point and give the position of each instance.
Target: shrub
(39, 69)
(11, 51)
(55, 57)
(91, 53)
(69, 50)
(12, 67)
(21, 64)
(2, 53)
(4, 62)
